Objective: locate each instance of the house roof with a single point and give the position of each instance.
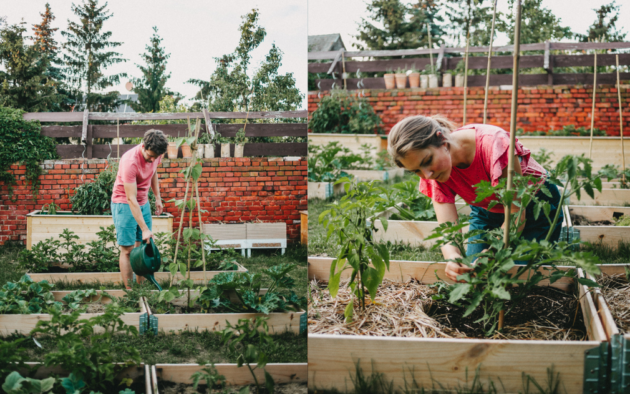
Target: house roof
(325, 42)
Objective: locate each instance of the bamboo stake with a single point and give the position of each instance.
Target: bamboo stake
(203, 250)
(466, 72)
(485, 100)
(430, 48)
(118, 136)
(343, 65)
(623, 155)
(510, 173)
(590, 147)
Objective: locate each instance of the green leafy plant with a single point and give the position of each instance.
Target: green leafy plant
(16, 384)
(13, 356)
(611, 171)
(246, 339)
(415, 205)
(343, 113)
(489, 283)
(26, 297)
(247, 288)
(51, 209)
(210, 375)
(367, 259)
(624, 220)
(324, 164)
(543, 158)
(240, 138)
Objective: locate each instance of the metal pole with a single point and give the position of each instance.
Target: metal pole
(466, 72)
(590, 147)
(623, 155)
(510, 173)
(485, 100)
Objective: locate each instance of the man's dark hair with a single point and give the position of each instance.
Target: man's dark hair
(156, 141)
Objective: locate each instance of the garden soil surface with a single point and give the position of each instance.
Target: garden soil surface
(616, 292)
(579, 220)
(407, 310)
(180, 388)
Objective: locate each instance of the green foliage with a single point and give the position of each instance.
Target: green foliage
(416, 206)
(12, 357)
(103, 255)
(602, 30)
(230, 84)
(403, 26)
(538, 24)
(16, 384)
(566, 131)
(240, 138)
(246, 286)
(210, 375)
(475, 15)
(87, 352)
(246, 340)
(344, 113)
(487, 285)
(367, 259)
(51, 208)
(23, 80)
(88, 54)
(543, 158)
(623, 221)
(326, 162)
(611, 171)
(26, 297)
(21, 142)
(151, 86)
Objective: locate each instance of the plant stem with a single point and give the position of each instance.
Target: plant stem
(558, 210)
(203, 250)
(254, 375)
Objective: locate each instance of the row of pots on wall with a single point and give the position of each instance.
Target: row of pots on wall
(399, 81)
(204, 150)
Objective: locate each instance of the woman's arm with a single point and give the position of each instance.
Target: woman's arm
(447, 212)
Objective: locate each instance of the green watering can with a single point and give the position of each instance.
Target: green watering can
(145, 260)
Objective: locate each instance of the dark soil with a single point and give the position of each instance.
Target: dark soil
(180, 388)
(545, 306)
(579, 220)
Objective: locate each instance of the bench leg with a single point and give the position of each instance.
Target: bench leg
(283, 251)
(243, 252)
(249, 252)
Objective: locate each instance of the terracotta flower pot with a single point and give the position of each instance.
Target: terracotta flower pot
(447, 80)
(209, 151)
(433, 81)
(171, 150)
(390, 82)
(238, 150)
(414, 80)
(401, 81)
(424, 81)
(225, 150)
(186, 151)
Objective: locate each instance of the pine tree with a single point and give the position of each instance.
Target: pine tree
(44, 34)
(604, 31)
(230, 86)
(404, 27)
(23, 80)
(538, 24)
(475, 15)
(151, 87)
(88, 56)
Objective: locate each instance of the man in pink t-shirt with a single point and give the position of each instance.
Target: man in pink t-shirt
(137, 172)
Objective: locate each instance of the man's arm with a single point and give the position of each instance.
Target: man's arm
(155, 186)
(131, 190)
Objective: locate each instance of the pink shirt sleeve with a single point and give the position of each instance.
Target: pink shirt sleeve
(496, 154)
(436, 191)
(128, 172)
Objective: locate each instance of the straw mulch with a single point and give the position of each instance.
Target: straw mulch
(407, 310)
(616, 292)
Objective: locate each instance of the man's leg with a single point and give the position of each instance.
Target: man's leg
(125, 266)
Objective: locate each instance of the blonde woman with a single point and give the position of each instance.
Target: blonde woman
(451, 161)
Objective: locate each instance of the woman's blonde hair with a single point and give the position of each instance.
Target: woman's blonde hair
(418, 132)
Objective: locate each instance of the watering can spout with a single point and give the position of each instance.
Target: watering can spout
(146, 260)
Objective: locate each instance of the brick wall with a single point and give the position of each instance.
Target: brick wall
(540, 108)
(232, 190)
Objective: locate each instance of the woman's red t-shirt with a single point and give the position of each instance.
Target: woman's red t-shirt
(492, 144)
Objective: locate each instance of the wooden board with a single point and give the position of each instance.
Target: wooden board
(319, 190)
(592, 321)
(350, 141)
(234, 376)
(607, 197)
(607, 235)
(222, 232)
(603, 310)
(374, 175)
(402, 271)
(78, 116)
(24, 324)
(115, 277)
(332, 359)
(266, 230)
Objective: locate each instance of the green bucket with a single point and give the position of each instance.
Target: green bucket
(145, 261)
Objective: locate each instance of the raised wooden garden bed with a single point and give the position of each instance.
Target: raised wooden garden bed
(115, 278)
(411, 232)
(596, 231)
(279, 322)
(607, 197)
(23, 324)
(234, 376)
(350, 141)
(40, 227)
(324, 190)
(376, 175)
(454, 362)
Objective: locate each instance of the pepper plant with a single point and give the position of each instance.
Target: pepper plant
(489, 283)
(358, 251)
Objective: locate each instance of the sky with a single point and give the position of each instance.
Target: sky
(194, 32)
(333, 16)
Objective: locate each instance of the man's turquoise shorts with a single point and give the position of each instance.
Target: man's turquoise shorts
(127, 229)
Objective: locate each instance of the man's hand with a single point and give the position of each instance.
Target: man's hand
(146, 234)
(159, 207)
(454, 269)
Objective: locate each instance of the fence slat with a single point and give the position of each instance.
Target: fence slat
(112, 116)
(61, 131)
(70, 151)
(251, 149)
(226, 130)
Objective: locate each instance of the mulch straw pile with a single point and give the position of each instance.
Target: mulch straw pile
(407, 310)
(616, 292)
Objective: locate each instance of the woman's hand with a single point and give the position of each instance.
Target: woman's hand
(454, 269)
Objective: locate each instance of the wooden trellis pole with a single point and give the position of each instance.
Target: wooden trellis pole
(118, 137)
(466, 73)
(623, 155)
(510, 173)
(590, 146)
(485, 100)
(430, 48)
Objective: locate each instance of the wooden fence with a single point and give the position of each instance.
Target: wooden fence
(87, 132)
(442, 62)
